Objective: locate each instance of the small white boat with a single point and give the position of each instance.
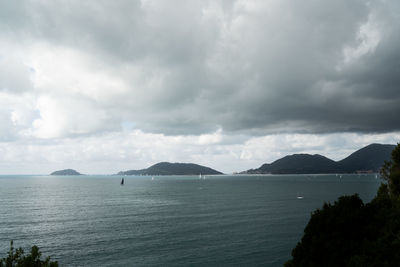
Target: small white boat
(299, 196)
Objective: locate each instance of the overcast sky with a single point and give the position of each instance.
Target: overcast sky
(103, 86)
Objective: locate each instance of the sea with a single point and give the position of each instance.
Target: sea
(228, 220)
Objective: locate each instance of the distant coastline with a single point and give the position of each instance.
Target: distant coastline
(366, 160)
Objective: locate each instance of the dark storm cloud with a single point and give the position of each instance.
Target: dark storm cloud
(245, 66)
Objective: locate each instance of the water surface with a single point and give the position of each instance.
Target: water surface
(168, 221)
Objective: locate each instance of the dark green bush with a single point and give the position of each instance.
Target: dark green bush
(16, 258)
(351, 233)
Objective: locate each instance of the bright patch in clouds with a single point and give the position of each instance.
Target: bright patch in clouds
(367, 39)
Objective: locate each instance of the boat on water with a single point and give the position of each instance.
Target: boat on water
(202, 176)
(122, 181)
(299, 196)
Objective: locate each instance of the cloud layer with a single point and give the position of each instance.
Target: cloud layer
(238, 68)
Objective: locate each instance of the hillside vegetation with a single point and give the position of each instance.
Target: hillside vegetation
(351, 233)
(367, 159)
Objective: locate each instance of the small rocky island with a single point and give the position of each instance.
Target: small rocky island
(66, 172)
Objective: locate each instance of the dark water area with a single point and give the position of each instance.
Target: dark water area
(168, 221)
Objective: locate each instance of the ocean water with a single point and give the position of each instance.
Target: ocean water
(168, 221)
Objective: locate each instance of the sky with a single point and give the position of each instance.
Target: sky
(103, 86)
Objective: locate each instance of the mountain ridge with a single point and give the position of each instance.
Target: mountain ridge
(167, 168)
(367, 159)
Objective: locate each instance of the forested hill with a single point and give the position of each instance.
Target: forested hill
(370, 157)
(298, 163)
(367, 159)
(167, 168)
(66, 172)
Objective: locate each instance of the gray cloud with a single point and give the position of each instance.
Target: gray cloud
(251, 67)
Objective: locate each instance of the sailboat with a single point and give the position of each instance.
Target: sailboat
(122, 181)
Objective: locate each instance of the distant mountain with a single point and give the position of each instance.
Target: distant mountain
(166, 168)
(298, 163)
(367, 159)
(66, 172)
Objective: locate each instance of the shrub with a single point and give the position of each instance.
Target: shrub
(351, 233)
(16, 258)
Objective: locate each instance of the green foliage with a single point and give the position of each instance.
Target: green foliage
(16, 258)
(351, 233)
(391, 172)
